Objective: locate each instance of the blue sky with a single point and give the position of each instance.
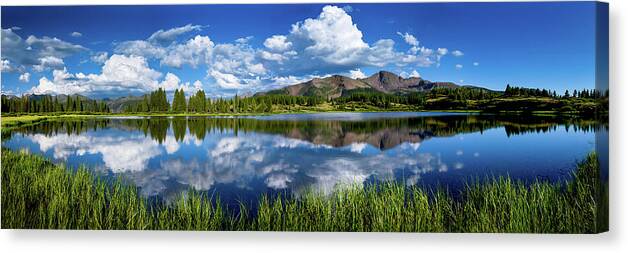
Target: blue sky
(108, 51)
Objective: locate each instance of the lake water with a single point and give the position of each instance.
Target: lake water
(241, 157)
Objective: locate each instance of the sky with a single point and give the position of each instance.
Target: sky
(113, 51)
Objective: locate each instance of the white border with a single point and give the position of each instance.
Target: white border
(164, 241)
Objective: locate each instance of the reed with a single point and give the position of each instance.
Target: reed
(37, 194)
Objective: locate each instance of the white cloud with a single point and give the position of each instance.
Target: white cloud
(457, 53)
(193, 52)
(476, 64)
(5, 66)
(277, 43)
(409, 38)
(49, 62)
(226, 81)
(459, 66)
(100, 57)
(415, 74)
(120, 76)
(25, 77)
(198, 85)
(244, 40)
(440, 52)
(140, 48)
(170, 83)
(272, 56)
(356, 74)
(235, 66)
(287, 80)
(119, 73)
(76, 34)
(52, 46)
(331, 37)
(165, 37)
(42, 53)
(382, 53)
(129, 71)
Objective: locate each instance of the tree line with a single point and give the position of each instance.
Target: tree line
(512, 91)
(49, 103)
(156, 101)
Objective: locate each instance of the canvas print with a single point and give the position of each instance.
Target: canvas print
(380, 117)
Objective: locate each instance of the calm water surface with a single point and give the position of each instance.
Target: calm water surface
(239, 158)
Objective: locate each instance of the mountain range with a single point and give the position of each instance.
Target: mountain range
(383, 81)
(329, 87)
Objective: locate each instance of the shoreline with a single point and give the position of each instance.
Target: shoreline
(10, 121)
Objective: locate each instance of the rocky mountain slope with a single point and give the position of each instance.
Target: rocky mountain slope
(382, 81)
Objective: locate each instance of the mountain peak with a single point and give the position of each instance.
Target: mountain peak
(336, 85)
(390, 82)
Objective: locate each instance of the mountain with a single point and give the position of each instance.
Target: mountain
(61, 98)
(331, 87)
(118, 104)
(388, 82)
(382, 81)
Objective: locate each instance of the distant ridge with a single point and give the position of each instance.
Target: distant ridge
(382, 81)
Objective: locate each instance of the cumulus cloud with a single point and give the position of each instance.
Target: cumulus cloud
(171, 82)
(357, 74)
(244, 40)
(193, 52)
(409, 38)
(119, 73)
(140, 48)
(49, 62)
(25, 77)
(100, 57)
(414, 73)
(287, 80)
(457, 53)
(5, 66)
(277, 43)
(76, 34)
(459, 66)
(38, 52)
(332, 37)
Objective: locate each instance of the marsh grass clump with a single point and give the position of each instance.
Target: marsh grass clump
(37, 194)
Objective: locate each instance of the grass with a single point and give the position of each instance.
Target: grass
(10, 122)
(37, 194)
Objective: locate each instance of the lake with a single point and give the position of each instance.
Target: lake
(239, 158)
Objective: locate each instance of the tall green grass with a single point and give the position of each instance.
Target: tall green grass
(40, 195)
